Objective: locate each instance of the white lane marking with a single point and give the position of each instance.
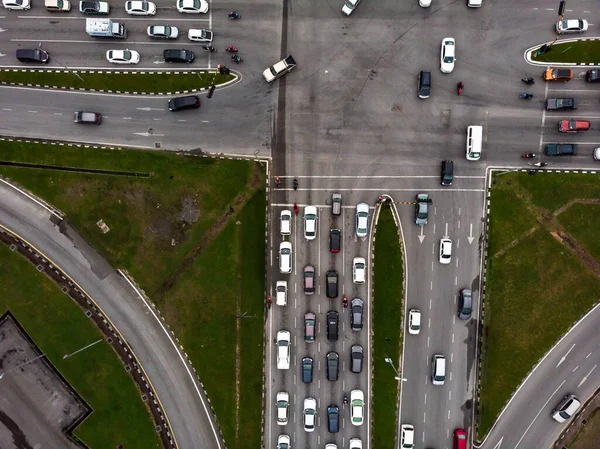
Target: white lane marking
(587, 356)
(450, 394)
(205, 121)
(424, 421)
(453, 338)
(6, 109)
(538, 414)
(430, 285)
(182, 120)
(575, 369)
(458, 224)
(425, 402)
(60, 113)
(126, 118)
(497, 446)
(455, 280)
(33, 112)
(427, 346)
(564, 357)
(157, 119)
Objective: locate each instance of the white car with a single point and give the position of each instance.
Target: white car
(445, 251)
(162, 32)
(17, 4)
(355, 443)
(349, 6)
(140, 8)
(357, 407)
(571, 26)
(310, 222)
(281, 293)
(285, 220)
(331, 446)
(448, 55)
(283, 350)
(283, 407)
(310, 414)
(285, 257)
(597, 154)
(425, 3)
(414, 321)
(192, 6)
(362, 220)
(407, 436)
(200, 35)
(123, 56)
(283, 442)
(359, 270)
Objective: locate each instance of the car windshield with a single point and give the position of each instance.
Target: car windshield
(282, 343)
(127, 55)
(143, 6)
(448, 59)
(282, 404)
(285, 251)
(332, 278)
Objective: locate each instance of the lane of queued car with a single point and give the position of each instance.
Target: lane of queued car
(337, 323)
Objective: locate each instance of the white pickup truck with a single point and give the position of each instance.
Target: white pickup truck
(279, 69)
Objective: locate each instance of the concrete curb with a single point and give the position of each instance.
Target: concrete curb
(527, 54)
(237, 78)
(479, 443)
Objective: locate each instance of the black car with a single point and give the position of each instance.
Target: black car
(333, 419)
(307, 370)
(592, 76)
(356, 314)
(187, 102)
(32, 55)
(332, 325)
(356, 359)
(465, 304)
(88, 117)
(333, 366)
(447, 173)
(335, 240)
(424, 84)
(331, 279)
(179, 55)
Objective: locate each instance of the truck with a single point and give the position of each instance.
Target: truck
(105, 28)
(279, 69)
(555, 104)
(561, 149)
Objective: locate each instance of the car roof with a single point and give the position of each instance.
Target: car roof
(310, 210)
(285, 245)
(362, 207)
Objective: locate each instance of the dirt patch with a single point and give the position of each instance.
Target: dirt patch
(576, 247)
(189, 211)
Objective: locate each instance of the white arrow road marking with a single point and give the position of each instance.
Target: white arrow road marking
(147, 134)
(586, 376)
(564, 357)
(497, 446)
(2, 30)
(421, 237)
(150, 109)
(446, 232)
(470, 238)
(2, 54)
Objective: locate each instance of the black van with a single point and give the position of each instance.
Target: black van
(307, 370)
(332, 325)
(447, 173)
(33, 55)
(424, 84)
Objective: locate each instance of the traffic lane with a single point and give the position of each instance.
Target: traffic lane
(545, 386)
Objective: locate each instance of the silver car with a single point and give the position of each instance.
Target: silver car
(162, 32)
(362, 220)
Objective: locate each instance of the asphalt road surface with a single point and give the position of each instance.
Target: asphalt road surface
(182, 397)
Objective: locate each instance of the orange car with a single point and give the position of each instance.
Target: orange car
(558, 74)
(573, 126)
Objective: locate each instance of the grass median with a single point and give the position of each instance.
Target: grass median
(192, 235)
(132, 81)
(576, 52)
(388, 294)
(539, 281)
(59, 327)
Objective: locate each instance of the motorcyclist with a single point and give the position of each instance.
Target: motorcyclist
(345, 399)
(295, 184)
(459, 87)
(296, 209)
(277, 181)
(231, 48)
(234, 15)
(269, 301)
(541, 164)
(345, 301)
(528, 155)
(236, 58)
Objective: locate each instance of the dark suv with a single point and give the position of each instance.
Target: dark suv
(333, 419)
(181, 55)
(187, 102)
(332, 325)
(32, 55)
(447, 173)
(335, 240)
(424, 84)
(307, 370)
(88, 117)
(331, 280)
(333, 365)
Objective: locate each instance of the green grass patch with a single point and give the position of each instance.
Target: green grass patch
(584, 52)
(505, 201)
(59, 327)
(387, 327)
(579, 221)
(125, 82)
(192, 235)
(534, 293)
(588, 436)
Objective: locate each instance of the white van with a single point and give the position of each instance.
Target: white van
(58, 5)
(474, 3)
(197, 35)
(438, 369)
(474, 142)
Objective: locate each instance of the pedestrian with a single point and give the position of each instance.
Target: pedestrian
(277, 181)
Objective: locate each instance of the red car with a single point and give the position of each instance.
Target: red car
(460, 439)
(573, 126)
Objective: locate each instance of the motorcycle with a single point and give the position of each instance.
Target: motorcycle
(296, 209)
(345, 301)
(234, 15)
(295, 184)
(528, 155)
(529, 81)
(237, 59)
(209, 48)
(345, 399)
(526, 96)
(269, 302)
(541, 164)
(231, 49)
(459, 88)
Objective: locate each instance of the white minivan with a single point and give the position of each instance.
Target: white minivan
(438, 369)
(474, 142)
(285, 257)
